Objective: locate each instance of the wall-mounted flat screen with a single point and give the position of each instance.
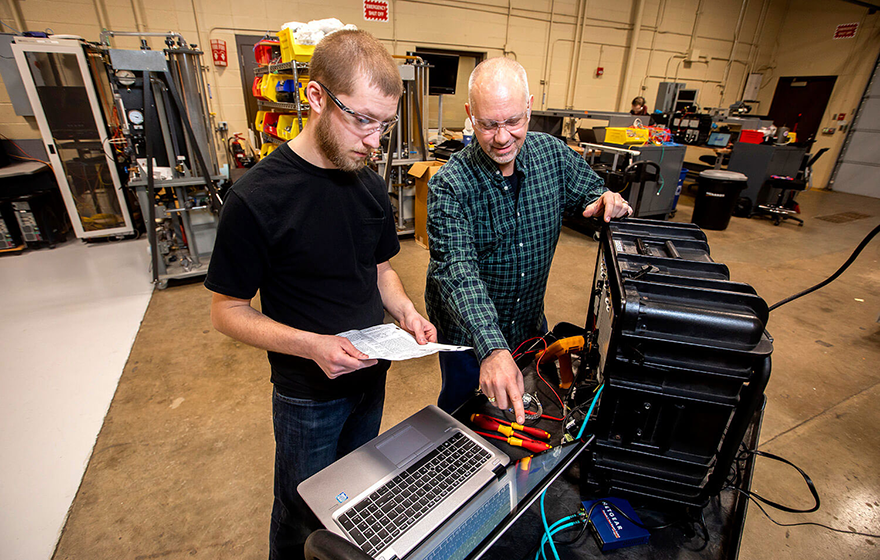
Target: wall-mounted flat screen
(442, 74)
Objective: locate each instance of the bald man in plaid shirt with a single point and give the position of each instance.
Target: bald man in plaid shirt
(494, 216)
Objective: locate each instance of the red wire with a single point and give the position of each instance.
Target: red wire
(537, 363)
(528, 340)
(538, 371)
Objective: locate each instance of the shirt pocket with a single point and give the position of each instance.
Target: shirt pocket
(367, 239)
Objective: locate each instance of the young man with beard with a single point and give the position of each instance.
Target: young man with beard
(312, 229)
(494, 217)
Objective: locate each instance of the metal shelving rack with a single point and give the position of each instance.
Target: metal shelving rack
(282, 67)
(296, 69)
(266, 137)
(283, 106)
(408, 139)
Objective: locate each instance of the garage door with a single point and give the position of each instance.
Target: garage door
(858, 168)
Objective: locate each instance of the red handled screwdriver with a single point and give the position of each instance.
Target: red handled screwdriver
(530, 444)
(528, 430)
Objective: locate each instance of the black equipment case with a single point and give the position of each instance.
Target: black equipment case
(684, 357)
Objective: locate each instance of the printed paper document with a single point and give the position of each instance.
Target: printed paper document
(390, 342)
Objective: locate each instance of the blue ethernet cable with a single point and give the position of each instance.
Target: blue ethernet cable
(590, 412)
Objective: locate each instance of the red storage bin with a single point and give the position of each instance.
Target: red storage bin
(267, 51)
(751, 137)
(270, 123)
(258, 80)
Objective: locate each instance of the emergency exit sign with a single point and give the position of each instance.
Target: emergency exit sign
(376, 10)
(846, 30)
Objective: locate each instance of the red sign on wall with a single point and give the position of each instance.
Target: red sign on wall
(218, 52)
(376, 10)
(846, 30)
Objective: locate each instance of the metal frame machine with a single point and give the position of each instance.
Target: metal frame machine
(119, 148)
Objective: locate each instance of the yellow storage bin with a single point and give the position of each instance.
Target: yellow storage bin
(266, 149)
(269, 84)
(258, 122)
(303, 82)
(288, 126)
(291, 51)
(624, 135)
(285, 37)
(303, 53)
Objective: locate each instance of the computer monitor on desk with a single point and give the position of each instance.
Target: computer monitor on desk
(588, 135)
(718, 140)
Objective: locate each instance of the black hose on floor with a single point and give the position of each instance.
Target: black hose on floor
(834, 276)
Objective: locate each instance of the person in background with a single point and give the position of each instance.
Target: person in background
(312, 229)
(494, 217)
(638, 106)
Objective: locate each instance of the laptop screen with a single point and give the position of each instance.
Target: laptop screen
(476, 527)
(718, 139)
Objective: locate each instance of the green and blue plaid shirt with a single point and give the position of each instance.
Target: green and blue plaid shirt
(491, 250)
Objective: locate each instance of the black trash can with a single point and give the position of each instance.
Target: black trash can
(717, 193)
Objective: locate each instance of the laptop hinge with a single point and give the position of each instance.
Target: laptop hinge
(499, 471)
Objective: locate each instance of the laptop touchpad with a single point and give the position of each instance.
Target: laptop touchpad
(403, 444)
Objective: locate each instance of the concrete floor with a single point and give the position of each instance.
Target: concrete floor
(183, 464)
(70, 316)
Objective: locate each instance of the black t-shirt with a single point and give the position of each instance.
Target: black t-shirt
(309, 240)
(513, 182)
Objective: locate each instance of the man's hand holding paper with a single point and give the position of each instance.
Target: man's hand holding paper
(390, 342)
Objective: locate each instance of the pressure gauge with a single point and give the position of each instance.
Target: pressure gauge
(125, 77)
(135, 117)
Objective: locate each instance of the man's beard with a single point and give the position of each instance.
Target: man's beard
(506, 158)
(332, 148)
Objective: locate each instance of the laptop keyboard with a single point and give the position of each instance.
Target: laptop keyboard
(380, 518)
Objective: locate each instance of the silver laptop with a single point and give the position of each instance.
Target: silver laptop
(390, 494)
(463, 524)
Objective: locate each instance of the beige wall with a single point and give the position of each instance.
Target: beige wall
(777, 38)
(804, 46)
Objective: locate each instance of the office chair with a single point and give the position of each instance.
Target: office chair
(324, 545)
(783, 208)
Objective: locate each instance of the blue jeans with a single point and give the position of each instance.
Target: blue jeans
(461, 374)
(310, 435)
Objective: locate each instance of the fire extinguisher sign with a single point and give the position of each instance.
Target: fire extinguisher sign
(376, 10)
(218, 52)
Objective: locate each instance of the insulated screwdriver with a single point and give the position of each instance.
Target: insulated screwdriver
(530, 444)
(490, 423)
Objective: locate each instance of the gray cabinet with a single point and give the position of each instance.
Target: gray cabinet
(658, 197)
(658, 200)
(758, 162)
